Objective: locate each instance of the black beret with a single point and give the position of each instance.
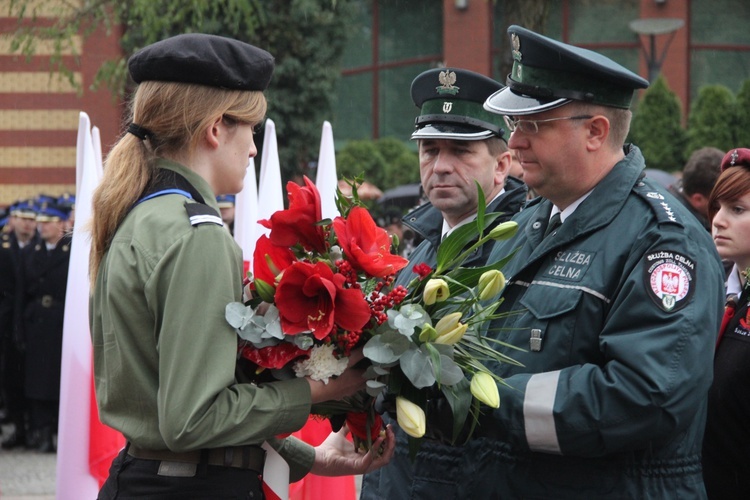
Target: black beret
(205, 60)
(547, 74)
(451, 102)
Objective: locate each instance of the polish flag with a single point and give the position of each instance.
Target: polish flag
(85, 447)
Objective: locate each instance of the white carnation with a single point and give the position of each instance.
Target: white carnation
(321, 365)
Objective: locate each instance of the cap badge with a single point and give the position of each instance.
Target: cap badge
(447, 79)
(516, 46)
(734, 157)
(447, 106)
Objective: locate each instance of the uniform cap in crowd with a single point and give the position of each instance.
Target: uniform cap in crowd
(51, 213)
(450, 102)
(203, 59)
(67, 200)
(23, 210)
(735, 158)
(547, 74)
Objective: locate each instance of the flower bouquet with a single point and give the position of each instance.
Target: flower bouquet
(321, 288)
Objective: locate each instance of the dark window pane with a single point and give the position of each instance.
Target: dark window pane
(397, 110)
(728, 68)
(358, 51)
(602, 21)
(352, 115)
(720, 21)
(410, 29)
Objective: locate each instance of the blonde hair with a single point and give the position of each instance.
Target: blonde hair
(176, 115)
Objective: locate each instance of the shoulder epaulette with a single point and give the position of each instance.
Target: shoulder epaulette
(200, 213)
(658, 202)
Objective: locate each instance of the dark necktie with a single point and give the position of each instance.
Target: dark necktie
(554, 223)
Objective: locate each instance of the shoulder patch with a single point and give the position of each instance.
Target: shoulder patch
(669, 278)
(658, 202)
(199, 213)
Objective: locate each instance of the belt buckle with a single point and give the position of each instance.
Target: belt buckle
(177, 469)
(47, 301)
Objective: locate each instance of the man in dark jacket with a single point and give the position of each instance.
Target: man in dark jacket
(698, 178)
(45, 278)
(23, 234)
(617, 294)
(459, 143)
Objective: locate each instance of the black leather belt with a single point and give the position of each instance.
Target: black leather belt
(241, 457)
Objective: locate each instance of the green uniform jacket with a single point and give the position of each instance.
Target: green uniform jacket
(617, 312)
(164, 354)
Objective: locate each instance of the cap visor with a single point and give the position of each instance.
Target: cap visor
(507, 102)
(451, 131)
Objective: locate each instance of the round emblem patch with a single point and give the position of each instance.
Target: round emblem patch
(669, 278)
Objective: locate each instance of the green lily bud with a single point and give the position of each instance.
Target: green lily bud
(504, 231)
(484, 388)
(449, 330)
(428, 333)
(410, 417)
(265, 291)
(490, 284)
(436, 290)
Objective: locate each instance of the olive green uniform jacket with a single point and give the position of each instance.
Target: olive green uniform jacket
(164, 354)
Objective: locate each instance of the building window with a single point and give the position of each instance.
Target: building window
(600, 25)
(719, 44)
(390, 44)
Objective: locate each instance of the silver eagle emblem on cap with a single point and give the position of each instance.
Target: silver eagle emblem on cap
(447, 79)
(516, 46)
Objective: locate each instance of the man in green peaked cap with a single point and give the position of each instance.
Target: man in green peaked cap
(459, 143)
(613, 297)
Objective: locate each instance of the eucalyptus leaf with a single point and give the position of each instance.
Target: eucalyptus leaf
(450, 372)
(387, 347)
(417, 367)
(301, 341)
(273, 323)
(407, 318)
(375, 384)
(237, 314)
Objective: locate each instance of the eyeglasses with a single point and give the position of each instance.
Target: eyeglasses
(531, 126)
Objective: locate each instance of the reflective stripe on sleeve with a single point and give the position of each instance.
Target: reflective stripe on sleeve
(538, 405)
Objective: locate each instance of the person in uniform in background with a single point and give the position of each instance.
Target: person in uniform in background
(12, 357)
(459, 143)
(44, 282)
(726, 444)
(67, 203)
(614, 295)
(698, 178)
(226, 207)
(164, 268)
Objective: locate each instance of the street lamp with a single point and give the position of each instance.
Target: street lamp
(653, 27)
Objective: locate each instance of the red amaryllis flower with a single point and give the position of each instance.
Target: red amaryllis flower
(273, 357)
(298, 223)
(367, 246)
(280, 258)
(357, 423)
(310, 297)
